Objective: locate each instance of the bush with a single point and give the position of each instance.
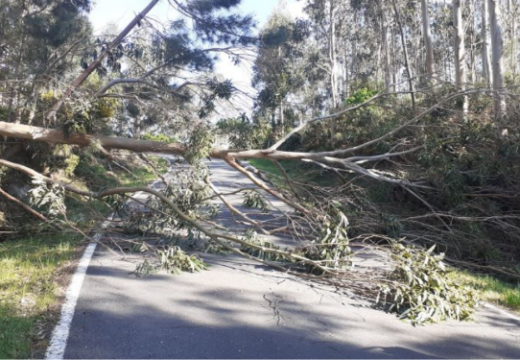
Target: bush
(160, 138)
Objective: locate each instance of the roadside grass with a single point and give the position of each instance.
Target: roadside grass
(312, 175)
(28, 287)
(30, 267)
(491, 289)
(94, 176)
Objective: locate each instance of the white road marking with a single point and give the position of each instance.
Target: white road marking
(60, 334)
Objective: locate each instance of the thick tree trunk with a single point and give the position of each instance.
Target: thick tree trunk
(332, 54)
(497, 46)
(38, 134)
(406, 58)
(471, 30)
(486, 58)
(332, 64)
(460, 52)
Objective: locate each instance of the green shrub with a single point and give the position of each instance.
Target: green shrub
(361, 96)
(160, 138)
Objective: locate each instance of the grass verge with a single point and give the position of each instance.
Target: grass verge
(491, 289)
(29, 287)
(302, 174)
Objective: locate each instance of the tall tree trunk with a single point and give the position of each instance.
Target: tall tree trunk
(406, 59)
(386, 40)
(486, 58)
(332, 54)
(460, 53)
(14, 89)
(346, 81)
(471, 30)
(282, 118)
(333, 67)
(497, 46)
(511, 9)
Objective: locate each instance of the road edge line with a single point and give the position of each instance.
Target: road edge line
(60, 335)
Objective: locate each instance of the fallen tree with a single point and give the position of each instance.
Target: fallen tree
(326, 220)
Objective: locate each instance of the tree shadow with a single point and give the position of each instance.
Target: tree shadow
(237, 310)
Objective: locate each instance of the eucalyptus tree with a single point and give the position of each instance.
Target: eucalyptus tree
(497, 49)
(38, 38)
(171, 69)
(407, 64)
(486, 58)
(428, 41)
(386, 32)
(278, 69)
(326, 18)
(460, 51)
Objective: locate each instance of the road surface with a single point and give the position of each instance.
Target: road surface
(239, 309)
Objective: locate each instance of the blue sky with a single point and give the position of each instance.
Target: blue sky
(121, 12)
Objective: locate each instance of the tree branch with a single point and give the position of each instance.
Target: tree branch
(77, 83)
(27, 208)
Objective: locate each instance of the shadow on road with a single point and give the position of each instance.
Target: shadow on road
(237, 310)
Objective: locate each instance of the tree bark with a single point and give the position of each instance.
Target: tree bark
(386, 48)
(406, 58)
(24, 206)
(497, 48)
(486, 59)
(460, 52)
(34, 133)
(511, 10)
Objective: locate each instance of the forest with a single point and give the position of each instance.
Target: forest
(378, 124)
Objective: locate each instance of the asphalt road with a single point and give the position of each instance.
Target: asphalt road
(239, 309)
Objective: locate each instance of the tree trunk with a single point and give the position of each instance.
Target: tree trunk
(39, 134)
(486, 59)
(346, 83)
(406, 59)
(497, 47)
(511, 9)
(137, 128)
(460, 52)
(332, 61)
(471, 30)
(332, 54)
(282, 118)
(388, 66)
